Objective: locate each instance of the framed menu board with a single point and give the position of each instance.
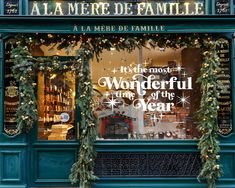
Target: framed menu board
(225, 99)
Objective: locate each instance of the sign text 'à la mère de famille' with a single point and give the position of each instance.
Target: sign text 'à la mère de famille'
(116, 8)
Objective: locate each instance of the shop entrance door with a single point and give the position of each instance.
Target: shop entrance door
(53, 142)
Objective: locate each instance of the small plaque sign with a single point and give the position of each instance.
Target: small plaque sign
(11, 7)
(222, 6)
(225, 102)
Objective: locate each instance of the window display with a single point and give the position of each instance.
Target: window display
(56, 106)
(147, 94)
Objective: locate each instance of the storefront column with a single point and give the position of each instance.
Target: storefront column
(13, 149)
(1, 79)
(233, 60)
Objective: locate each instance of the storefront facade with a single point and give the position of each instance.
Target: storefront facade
(135, 148)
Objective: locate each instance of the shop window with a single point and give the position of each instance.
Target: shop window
(147, 94)
(56, 106)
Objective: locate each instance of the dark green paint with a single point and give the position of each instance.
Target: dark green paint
(26, 162)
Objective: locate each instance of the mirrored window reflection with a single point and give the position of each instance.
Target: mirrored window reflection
(56, 106)
(147, 94)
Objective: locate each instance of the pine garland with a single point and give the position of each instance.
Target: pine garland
(88, 131)
(23, 71)
(207, 115)
(92, 46)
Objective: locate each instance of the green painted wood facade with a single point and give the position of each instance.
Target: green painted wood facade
(26, 162)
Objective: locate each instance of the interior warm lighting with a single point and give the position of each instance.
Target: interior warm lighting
(179, 68)
(161, 49)
(56, 99)
(53, 76)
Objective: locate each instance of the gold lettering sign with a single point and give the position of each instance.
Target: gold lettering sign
(116, 8)
(117, 28)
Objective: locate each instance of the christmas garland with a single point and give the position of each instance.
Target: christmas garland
(85, 164)
(23, 71)
(92, 46)
(207, 115)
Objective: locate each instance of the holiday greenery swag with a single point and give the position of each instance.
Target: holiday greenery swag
(26, 67)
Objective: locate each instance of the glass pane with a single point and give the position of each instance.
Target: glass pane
(56, 106)
(147, 94)
(11, 97)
